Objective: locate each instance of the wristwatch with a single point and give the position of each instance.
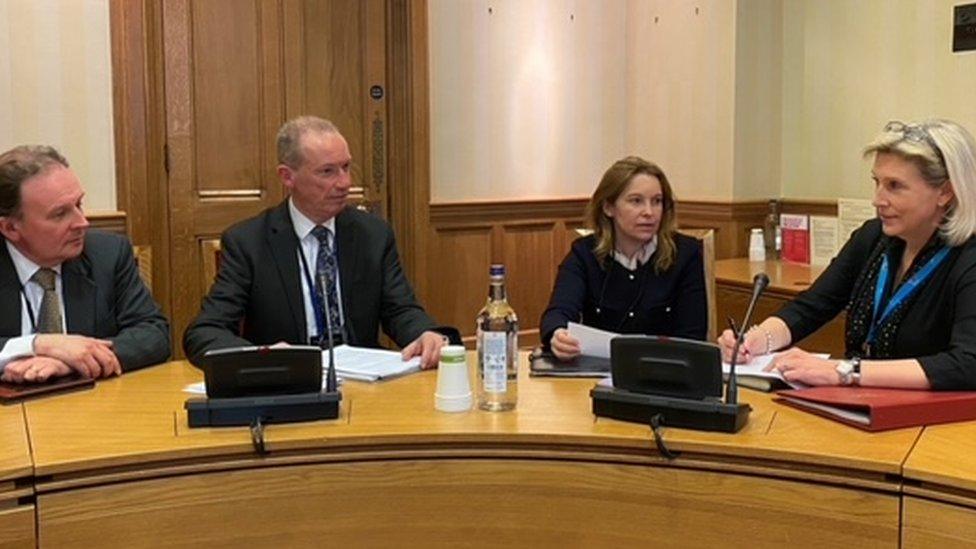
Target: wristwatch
(849, 371)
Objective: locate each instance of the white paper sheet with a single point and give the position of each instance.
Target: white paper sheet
(364, 364)
(593, 342)
(756, 367)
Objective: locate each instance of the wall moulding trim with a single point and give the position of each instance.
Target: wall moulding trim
(731, 220)
(721, 211)
(111, 221)
(481, 211)
(490, 211)
(809, 207)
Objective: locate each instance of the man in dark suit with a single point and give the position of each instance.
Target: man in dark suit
(311, 263)
(71, 299)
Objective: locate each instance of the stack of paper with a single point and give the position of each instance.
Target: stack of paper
(364, 364)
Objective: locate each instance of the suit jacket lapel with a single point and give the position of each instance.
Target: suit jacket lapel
(80, 297)
(347, 255)
(10, 299)
(284, 245)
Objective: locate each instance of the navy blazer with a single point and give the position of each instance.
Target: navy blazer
(259, 284)
(103, 297)
(611, 297)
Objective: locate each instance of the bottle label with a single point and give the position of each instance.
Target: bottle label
(495, 356)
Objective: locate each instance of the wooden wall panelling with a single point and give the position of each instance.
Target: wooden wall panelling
(224, 97)
(459, 260)
(529, 252)
(730, 220)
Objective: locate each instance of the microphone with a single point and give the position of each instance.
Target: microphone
(759, 283)
(330, 376)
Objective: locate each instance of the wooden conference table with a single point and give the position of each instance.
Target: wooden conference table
(118, 466)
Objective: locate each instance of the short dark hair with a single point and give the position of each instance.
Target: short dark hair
(20, 164)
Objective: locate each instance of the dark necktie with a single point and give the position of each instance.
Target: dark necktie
(49, 317)
(326, 265)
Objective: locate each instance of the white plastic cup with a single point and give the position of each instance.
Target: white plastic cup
(757, 245)
(453, 393)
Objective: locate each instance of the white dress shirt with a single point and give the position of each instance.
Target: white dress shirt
(18, 347)
(309, 247)
(643, 254)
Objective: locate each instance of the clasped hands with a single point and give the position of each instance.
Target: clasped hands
(58, 355)
(795, 364)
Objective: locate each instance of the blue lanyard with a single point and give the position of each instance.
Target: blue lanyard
(905, 291)
(317, 306)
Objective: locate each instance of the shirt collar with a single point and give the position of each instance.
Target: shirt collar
(643, 254)
(303, 225)
(25, 267)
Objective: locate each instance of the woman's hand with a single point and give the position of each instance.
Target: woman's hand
(564, 346)
(754, 344)
(799, 365)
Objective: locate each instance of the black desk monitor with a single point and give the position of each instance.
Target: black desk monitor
(666, 366)
(259, 371)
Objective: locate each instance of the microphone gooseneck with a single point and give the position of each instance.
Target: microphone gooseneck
(759, 284)
(330, 375)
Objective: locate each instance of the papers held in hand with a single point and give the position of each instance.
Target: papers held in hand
(256, 371)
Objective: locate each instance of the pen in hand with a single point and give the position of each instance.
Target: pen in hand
(743, 350)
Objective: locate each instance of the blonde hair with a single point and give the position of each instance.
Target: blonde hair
(943, 151)
(613, 183)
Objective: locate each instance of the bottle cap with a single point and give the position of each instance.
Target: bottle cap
(497, 269)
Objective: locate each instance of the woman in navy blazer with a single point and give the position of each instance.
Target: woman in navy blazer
(635, 274)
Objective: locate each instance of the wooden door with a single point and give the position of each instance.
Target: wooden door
(335, 64)
(224, 101)
(202, 87)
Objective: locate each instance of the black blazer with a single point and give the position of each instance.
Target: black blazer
(103, 297)
(939, 326)
(257, 296)
(642, 301)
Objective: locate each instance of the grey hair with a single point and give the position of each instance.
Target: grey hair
(958, 149)
(20, 164)
(290, 135)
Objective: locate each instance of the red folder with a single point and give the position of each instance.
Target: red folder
(882, 409)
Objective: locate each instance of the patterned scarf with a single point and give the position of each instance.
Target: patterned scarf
(860, 310)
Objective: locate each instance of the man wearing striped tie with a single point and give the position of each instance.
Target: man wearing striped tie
(313, 265)
(71, 300)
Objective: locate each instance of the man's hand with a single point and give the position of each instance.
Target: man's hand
(88, 356)
(428, 346)
(34, 369)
